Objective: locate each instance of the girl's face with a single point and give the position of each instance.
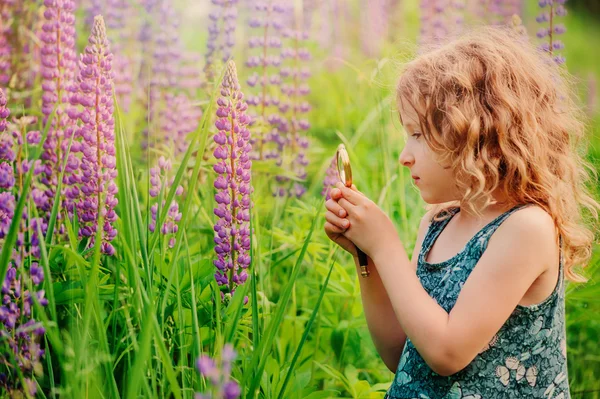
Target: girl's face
(435, 182)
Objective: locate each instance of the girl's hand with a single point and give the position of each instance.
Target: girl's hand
(370, 228)
(334, 226)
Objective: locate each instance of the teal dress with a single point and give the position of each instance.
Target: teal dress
(525, 359)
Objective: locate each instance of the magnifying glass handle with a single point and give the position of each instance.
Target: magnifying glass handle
(362, 261)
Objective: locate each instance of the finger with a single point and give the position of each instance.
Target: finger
(356, 190)
(334, 207)
(337, 221)
(335, 193)
(329, 228)
(352, 196)
(347, 205)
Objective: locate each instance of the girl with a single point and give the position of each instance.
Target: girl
(478, 311)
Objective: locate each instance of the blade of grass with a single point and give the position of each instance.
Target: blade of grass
(306, 331)
(259, 357)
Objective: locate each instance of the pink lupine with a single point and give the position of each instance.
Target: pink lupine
(438, 19)
(291, 130)
(120, 34)
(93, 107)
(233, 184)
(172, 86)
(58, 70)
(19, 50)
(18, 329)
(267, 20)
(189, 76)
(5, 47)
(221, 33)
(218, 374)
(433, 22)
(159, 180)
(187, 117)
(373, 26)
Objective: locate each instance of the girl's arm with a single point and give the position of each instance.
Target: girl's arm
(516, 255)
(385, 330)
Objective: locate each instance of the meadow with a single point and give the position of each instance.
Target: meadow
(201, 136)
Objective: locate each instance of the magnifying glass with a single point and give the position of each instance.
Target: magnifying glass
(345, 174)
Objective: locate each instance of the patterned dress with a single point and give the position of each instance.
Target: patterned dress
(525, 359)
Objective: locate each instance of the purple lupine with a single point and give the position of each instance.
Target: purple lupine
(336, 23)
(267, 18)
(233, 186)
(221, 33)
(4, 111)
(19, 51)
(58, 70)
(555, 8)
(219, 375)
(167, 75)
(18, 329)
(5, 47)
(186, 117)
(120, 33)
(159, 180)
(331, 177)
(373, 26)
(433, 25)
(292, 107)
(189, 76)
(499, 11)
(93, 106)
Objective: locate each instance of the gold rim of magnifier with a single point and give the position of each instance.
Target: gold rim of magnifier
(343, 165)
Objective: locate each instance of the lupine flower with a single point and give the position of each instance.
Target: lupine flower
(499, 11)
(551, 9)
(120, 33)
(158, 180)
(331, 177)
(221, 33)
(190, 79)
(339, 13)
(219, 375)
(233, 185)
(373, 26)
(18, 329)
(267, 19)
(5, 47)
(19, 51)
(292, 107)
(57, 76)
(92, 92)
(172, 71)
(4, 111)
(433, 22)
(187, 117)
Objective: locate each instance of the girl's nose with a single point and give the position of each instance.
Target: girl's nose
(406, 158)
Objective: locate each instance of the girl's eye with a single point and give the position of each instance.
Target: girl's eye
(416, 135)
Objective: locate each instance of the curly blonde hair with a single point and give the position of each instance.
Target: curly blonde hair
(505, 117)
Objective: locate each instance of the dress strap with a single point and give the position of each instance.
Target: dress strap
(486, 232)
